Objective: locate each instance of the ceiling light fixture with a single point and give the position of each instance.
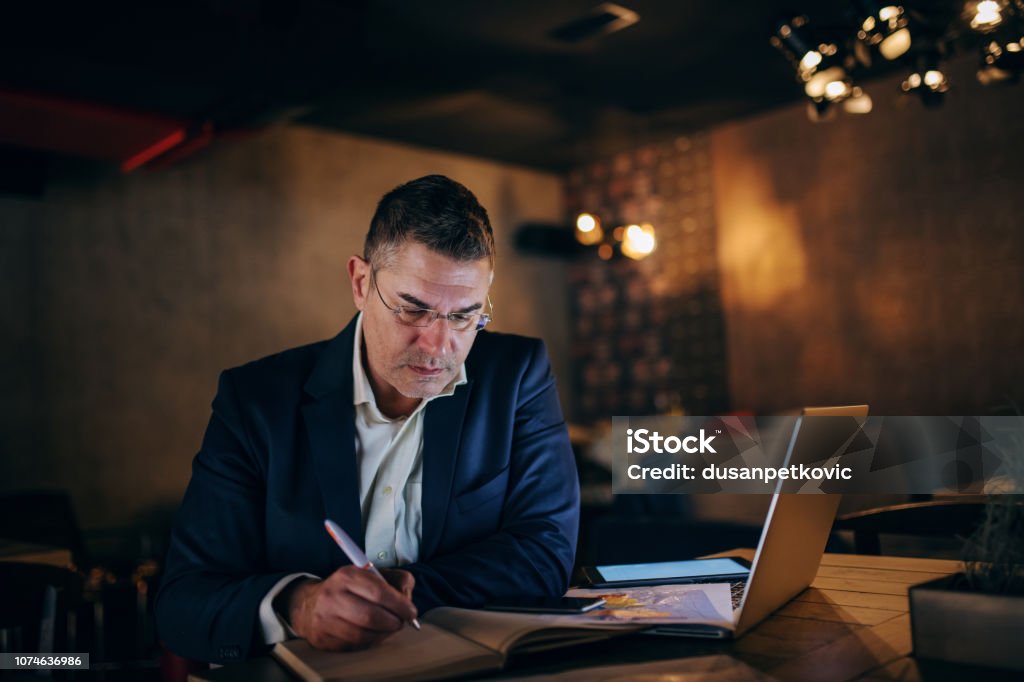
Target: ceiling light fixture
(1001, 62)
(822, 68)
(818, 64)
(885, 27)
(1002, 52)
(928, 81)
(829, 60)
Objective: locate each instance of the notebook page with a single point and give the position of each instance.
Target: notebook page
(501, 631)
(408, 655)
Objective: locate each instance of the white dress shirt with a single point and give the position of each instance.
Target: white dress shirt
(389, 455)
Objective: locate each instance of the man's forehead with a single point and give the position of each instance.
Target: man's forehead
(416, 265)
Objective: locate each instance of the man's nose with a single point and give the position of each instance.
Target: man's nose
(435, 336)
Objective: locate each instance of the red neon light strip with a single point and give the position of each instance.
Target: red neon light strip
(154, 150)
(188, 148)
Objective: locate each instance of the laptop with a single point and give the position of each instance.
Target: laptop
(792, 542)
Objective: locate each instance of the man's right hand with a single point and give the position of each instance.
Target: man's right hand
(351, 609)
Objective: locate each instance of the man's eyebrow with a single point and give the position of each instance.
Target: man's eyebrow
(409, 298)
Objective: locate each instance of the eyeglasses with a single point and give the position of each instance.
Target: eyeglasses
(424, 317)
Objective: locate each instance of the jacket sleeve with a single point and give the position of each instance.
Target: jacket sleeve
(533, 551)
(216, 575)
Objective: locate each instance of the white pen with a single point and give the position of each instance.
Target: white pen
(355, 553)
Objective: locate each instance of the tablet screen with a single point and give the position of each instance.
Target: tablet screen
(697, 568)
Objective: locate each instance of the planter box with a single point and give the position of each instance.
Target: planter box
(952, 623)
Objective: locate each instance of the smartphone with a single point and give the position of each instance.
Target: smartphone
(727, 569)
(544, 604)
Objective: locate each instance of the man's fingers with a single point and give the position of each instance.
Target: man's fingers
(367, 615)
(403, 581)
(344, 600)
(337, 634)
(352, 609)
(373, 589)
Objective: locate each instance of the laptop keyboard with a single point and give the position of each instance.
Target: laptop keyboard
(736, 592)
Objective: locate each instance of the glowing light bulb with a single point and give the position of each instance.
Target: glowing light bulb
(858, 103)
(836, 90)
(895, 45)
(890, 12)
(913, 81)
(810, 60)
(638, 241)
(987, 14)
(817, 84)
(588, 229)
(934, 79)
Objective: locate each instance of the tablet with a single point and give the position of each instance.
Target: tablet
(726, 569)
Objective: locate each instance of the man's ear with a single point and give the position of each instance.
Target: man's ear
(359, 275)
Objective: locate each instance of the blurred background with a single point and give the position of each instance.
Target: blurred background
(781, 206)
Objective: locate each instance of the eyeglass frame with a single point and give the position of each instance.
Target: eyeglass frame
(483, 319)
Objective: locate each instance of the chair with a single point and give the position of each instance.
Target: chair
(932, 519)
(41, 601)
(37, 600)
(43, 517)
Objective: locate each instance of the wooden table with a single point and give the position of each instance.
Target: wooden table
(851, 624)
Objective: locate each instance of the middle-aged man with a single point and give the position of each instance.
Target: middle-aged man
(439, 447)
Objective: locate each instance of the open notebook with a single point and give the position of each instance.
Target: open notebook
(462, 642)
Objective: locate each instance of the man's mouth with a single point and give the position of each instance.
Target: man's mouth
(426, 371)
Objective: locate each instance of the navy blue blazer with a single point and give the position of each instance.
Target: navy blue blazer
(500, 490)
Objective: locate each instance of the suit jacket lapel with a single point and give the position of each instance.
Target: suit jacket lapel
(330, 425)
(442, 430)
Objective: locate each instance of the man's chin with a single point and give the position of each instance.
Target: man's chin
(425, 386)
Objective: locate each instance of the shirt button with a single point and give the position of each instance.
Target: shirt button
(387, 491)
(382, 555)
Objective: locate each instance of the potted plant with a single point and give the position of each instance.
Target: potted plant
(977, 616)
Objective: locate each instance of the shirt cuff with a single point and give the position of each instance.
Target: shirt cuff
(275, 628)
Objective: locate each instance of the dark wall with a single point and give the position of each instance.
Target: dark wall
(876, 258)
(122, 297)
(647, 335)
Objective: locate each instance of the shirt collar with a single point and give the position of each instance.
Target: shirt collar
(362, 393)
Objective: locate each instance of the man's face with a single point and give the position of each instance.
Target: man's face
(407, 363)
